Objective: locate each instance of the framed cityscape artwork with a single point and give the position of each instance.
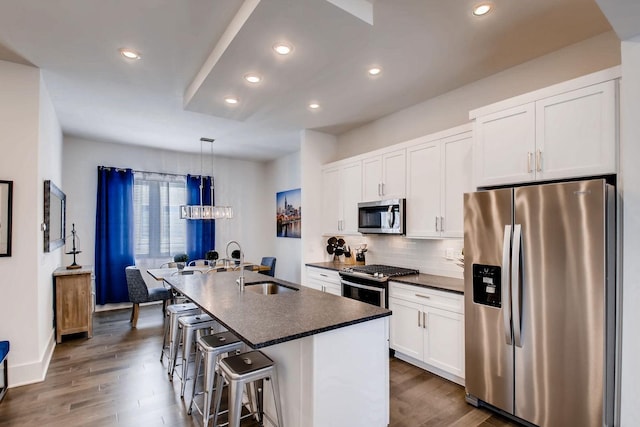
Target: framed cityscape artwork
(288, 213)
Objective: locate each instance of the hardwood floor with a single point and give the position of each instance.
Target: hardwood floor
(116, 379)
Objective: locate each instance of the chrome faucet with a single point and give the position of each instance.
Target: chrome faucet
(240, 280)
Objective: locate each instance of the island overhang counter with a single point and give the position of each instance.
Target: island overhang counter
(331, 352)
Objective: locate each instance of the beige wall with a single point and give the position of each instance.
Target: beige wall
(452, 109)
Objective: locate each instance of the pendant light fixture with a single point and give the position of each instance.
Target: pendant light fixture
(203, 211)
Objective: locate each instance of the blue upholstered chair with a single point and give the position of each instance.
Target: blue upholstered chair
(139, 293)
(271, 262)
(4, 379)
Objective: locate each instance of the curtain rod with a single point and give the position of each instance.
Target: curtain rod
(159, 173)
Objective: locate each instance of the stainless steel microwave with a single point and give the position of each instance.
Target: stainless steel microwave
(381, 217)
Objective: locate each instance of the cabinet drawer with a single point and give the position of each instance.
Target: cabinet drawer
(430, 297)
(324, 275)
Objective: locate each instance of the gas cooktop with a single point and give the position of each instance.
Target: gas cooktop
(378, 271)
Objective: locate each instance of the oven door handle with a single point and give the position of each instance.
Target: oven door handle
(360, 285)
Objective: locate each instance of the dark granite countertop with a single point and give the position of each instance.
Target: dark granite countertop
(264, 320)
(443, 283)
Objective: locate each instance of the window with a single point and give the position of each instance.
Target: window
(159, 233)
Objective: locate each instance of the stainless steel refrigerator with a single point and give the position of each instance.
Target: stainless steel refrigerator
(540, 301)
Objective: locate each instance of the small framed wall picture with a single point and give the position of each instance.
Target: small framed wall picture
(6, 201)
(288, 214)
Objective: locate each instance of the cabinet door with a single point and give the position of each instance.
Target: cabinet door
(504, 146)
(73, 305)
(351, 186)
(423, 190)
(406, 331)
(332, 288)
(314, 284)
(576, 133)
(331, 201)
(444, 340)
(371, 179)
(394, 175)
(456, 180)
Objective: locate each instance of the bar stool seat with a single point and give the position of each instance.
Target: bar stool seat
(212, 347)
(190, 325)
(170, 343)
(239, 371)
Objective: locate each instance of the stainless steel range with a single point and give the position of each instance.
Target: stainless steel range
(369, 283)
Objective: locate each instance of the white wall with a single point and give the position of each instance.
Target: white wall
(238, 183)
(316, 149)
(630, 177)
(30, 141)
(284, 174)
(452, 108)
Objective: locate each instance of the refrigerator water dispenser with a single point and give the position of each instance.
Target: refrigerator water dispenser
(486, 285)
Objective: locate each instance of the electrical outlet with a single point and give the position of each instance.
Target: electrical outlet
(448, 253)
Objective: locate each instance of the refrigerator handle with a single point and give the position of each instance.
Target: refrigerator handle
(506, 293)
(516, 283)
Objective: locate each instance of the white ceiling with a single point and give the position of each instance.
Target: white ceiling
(425, 48)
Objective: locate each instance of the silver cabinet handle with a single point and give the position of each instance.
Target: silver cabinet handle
(323, 275)
(539, 160)
(424, 320)
(382, 188)
(441, 223)
(419, 325)
(506, 293)
(423, 296)
(436, 223)
(529, 155)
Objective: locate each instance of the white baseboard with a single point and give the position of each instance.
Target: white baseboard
(32, 372)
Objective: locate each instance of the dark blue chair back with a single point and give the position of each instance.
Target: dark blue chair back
(271, 262)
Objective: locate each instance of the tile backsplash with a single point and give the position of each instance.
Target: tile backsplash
(427, 255)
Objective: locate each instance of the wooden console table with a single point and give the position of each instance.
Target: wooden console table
(73, 305)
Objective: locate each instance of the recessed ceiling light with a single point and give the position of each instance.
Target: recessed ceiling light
(252, 78)
(482, 9)
(314, 105)
(282, 48)
(374, 71)
(130, 53)
(231, 100)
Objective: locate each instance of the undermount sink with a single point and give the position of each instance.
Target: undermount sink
(268, 288)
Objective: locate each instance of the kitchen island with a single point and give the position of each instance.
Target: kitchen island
(331, 352)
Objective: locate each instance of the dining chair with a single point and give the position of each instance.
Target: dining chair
(270, 262)
(139, 293)
(170, 264)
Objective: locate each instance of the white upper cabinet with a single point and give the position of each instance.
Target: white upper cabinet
(383, 176)
(457, 179)
(576, 133)
(567, 130)
(438, 174)
(341, 192)
(504, 143)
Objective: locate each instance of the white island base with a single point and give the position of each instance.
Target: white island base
(338, 378)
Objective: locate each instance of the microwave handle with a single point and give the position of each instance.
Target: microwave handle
(391, 216)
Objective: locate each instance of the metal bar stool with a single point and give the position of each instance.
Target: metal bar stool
(173, 313)
(212, 347)
(239, 371)
(189, 325)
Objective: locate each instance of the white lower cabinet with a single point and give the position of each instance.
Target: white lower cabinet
(324, 280)
(427, 329)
